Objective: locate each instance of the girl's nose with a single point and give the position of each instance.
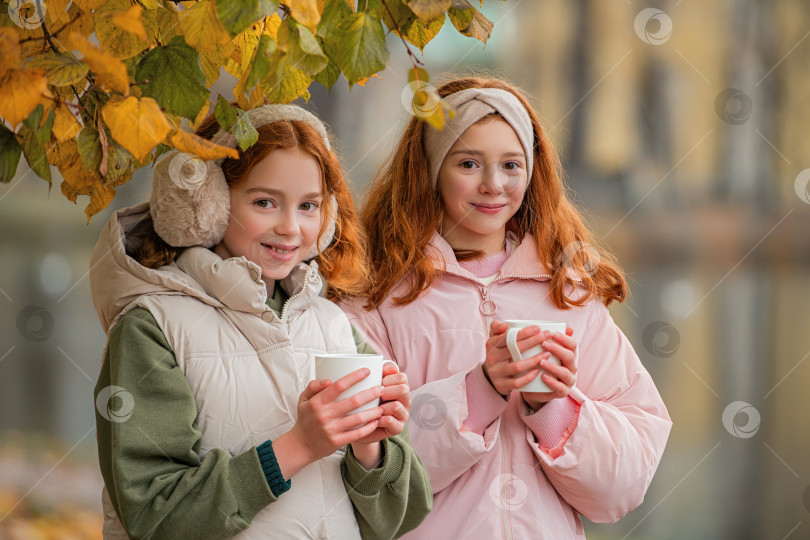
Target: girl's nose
(492, 181)
(287, 224)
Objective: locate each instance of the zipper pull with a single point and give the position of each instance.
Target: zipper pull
(487, 306)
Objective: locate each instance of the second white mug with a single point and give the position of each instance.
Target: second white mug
(515, 326)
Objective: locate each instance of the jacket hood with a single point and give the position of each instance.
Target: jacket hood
(117, 280)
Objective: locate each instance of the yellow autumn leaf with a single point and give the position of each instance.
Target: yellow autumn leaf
(201, 27)
(305, 12)
(62, 154)
(21, 90)
(65, 125)
(101, 195)
(111, 73)
(9, 49)
(271, 26)
(56, 12)
(251, 99)
(136, 124)
(81, 22)
(113, 38)
(240, 60)
(202, 148)
(76, 180)
(130, 20)
(201, 115)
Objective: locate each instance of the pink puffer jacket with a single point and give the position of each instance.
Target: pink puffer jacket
(498, 471)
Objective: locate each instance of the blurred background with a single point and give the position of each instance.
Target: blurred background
(682, 127)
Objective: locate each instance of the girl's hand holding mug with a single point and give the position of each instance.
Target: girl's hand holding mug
(395, 403)
(323, 425)
(506, 375)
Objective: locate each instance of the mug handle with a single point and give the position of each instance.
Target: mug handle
(511, 344)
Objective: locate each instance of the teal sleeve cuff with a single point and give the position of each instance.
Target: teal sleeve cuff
(272, 472)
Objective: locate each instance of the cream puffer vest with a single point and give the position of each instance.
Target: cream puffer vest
(246, 367)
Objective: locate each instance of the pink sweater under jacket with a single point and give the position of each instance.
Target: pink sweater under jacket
(498, 471)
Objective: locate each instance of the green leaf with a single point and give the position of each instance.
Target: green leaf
(304, 52)
(420, 33)
(402, 15)
(10, 151)
(261, 63)
(42, 132)
(173, 77)
(407, 24)
(235, 121)
(34, 152)
(236, 15)
(119, 162)
(286, 83)
(89, 147)
(470, 22)
(246, 134)
(363, 51)
(334, 11)
(329, 75)
(60, 69)
(224, 113)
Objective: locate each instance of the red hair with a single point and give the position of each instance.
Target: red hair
(403, 210)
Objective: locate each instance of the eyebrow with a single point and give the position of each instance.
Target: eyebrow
(313, 195)
(480, 153)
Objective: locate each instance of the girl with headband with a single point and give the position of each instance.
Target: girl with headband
(209, 421)
(471, 226)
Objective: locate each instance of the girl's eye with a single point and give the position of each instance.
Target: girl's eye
(511, 165)
(467, 164)
(309, 206)
(264, 203)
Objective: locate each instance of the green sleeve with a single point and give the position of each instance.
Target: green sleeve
(149, 443)
(392, 499)
(360, 342)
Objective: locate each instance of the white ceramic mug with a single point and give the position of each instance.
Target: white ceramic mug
(536, 384)
(336, 366)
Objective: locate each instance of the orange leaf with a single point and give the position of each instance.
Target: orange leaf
(111, 73)
(21, 90)
(130, 20)
(9, 49)
(136, 124)
(203, 148)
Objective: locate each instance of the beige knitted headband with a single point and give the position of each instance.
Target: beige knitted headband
(472, 105)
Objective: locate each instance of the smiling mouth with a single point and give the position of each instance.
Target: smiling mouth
(280, 250)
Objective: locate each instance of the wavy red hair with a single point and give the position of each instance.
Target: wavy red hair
(403, 209)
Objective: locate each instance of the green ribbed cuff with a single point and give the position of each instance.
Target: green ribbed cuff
(371, 482)
(272, 472)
